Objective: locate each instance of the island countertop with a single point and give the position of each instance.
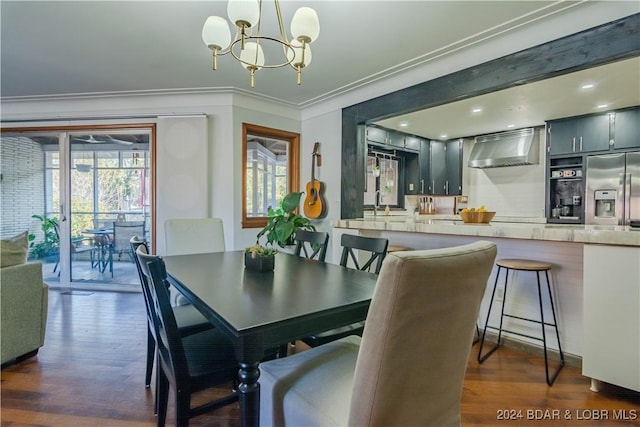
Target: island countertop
(509, 228)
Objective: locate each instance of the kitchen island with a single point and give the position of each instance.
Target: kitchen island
(595, 277)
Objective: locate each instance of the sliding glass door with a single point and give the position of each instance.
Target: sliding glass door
(72, 191)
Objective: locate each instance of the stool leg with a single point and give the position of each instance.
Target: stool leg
(483, 357)
(550, 380)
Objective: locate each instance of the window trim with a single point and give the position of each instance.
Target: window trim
(293, 167)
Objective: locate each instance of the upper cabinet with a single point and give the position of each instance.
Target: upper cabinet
(377, 135)
(626, 131)
(603, 132)
(577, 135)
(446, 170)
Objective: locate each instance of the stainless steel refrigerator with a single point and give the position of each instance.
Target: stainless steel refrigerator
(613, 189)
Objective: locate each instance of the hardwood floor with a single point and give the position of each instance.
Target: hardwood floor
(91, 373)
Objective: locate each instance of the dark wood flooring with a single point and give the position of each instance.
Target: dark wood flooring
(91, 373)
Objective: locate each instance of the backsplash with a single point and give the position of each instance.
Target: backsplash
(510, 191)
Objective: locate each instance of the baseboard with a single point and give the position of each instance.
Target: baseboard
(537, 350)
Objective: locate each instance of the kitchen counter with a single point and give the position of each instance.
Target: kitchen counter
(510, 228)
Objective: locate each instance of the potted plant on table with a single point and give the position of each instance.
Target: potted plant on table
(280, 230)
(260, 258)
(284, 222)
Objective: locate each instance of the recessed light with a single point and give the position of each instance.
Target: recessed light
(511, 126)
(587, 86)
(476, 110)
(404, 124)
(602, 106)
(444, 135)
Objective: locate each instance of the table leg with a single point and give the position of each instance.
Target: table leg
(249, 394)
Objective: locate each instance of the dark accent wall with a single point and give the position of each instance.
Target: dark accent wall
(596, 46)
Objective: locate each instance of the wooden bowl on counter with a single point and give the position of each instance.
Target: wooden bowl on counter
(477, 217)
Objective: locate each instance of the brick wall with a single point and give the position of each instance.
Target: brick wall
(22, 185)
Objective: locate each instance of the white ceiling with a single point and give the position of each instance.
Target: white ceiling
(53, 49)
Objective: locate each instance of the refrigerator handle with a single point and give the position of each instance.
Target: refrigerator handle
(574, 144)
(627, 199)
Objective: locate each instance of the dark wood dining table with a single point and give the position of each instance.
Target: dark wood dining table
(262, 310)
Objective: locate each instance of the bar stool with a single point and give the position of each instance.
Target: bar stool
(524, 265)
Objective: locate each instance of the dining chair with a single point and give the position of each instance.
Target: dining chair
(312, 244)
(193, 236)
(408, 368)
(187, 363)
(188, 319)
(119, 241)
(376, 250)
(375, 247)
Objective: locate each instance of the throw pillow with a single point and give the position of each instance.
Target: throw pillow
(13, 251)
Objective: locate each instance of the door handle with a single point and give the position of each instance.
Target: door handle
(574, 144)
(580, 143)
(63, 216)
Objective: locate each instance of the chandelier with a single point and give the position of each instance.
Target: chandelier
(247, 43)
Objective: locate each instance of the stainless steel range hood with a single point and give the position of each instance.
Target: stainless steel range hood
(511, 148)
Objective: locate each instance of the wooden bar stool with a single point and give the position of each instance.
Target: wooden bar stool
(537, 267)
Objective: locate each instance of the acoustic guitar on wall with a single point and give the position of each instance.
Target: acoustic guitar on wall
(314, 205)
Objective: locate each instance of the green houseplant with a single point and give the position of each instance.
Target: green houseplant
(50, 245)
(284, 222)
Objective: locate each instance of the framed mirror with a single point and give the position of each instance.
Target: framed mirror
(271, 170)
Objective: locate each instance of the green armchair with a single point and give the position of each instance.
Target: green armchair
(23, 311)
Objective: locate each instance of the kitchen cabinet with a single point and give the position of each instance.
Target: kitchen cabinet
(396, 139)
(413, 143)
(578, 135)
(627, 129)
(446, 158)
(424, 160)
(611, 311)
(377, 135)
(454, 167)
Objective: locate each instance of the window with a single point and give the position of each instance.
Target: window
(270, 163)
(382, 181)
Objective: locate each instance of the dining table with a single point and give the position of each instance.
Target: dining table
(258, 311)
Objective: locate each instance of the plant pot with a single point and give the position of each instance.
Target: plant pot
(262, 263)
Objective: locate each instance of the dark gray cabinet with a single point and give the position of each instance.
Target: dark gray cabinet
(627, 129)
(438, 167)
(396, 139)
(413, 143)
(579, 135)
(453, 156)
(424, 159)
(377, 135)
(446, 169)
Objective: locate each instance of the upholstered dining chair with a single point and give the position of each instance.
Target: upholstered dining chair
(375, 249)
(194, 236)
(312, 244)
(408, 368)
(189, 320)
(188, 364)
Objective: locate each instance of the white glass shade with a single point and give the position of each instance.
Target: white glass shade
(215, 33)
(305, 24)
(244, 10)
(252, 54)
(297, 53)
